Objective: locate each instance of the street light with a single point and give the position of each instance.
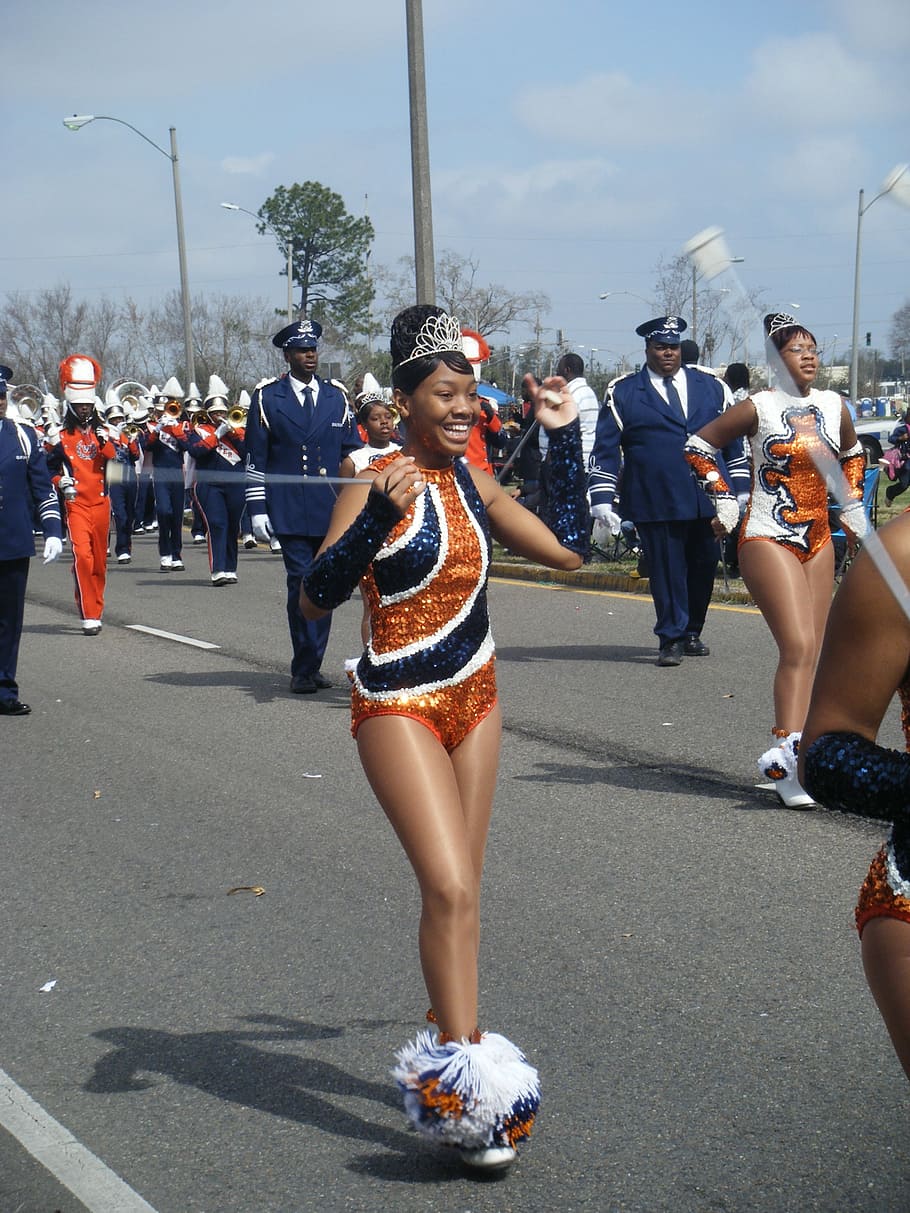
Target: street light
(610, 294)
(288, 248)
(898, 179)
(76, 123)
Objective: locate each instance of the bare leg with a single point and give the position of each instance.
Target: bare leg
(886, 961)
(439, 806)
(794, 599)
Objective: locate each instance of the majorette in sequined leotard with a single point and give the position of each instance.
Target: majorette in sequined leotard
(789, 502)
(430, 654)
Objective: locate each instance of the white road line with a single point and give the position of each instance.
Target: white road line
(86, 1176)
(197, 644)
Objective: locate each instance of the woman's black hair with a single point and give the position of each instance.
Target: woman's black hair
(408, 375)
(785, 333)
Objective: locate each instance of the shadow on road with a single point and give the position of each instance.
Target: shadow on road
(630, 653)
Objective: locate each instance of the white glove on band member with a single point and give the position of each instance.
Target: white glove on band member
(67, 486)
(223, 429)
(52, 548)
(727, 512)
(606, 513)
(262, 527)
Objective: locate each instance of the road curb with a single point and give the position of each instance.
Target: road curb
(591, 578)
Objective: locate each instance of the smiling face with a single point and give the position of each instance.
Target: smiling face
(663, 360)
(439, 415)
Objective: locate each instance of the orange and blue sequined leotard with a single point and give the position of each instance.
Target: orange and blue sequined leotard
(789, 501)
(430, 654)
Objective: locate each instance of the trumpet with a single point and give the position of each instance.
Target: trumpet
(132, 431)
(173, 408)
(236, 418)
(202, 418)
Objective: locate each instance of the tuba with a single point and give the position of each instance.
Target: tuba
(130, 393)
(26, 398)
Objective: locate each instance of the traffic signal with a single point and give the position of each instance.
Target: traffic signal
(868, 338)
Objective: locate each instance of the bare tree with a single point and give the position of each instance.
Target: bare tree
(899, 335)
(488, 309)
(725, 318)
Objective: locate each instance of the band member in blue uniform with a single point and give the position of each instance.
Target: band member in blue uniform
(167, 441)
(219, 449)
(121, 486)
(25, 489)
(298, 426)
(641, 430)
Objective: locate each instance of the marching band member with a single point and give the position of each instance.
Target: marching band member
(121, 477)
(192, 403)
(297, 424)
(166, 440)
(786, 556)
(416, 526)
(78, 461)
(219, 449)
(25, 490)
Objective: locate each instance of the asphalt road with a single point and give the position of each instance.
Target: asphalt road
(673, 950)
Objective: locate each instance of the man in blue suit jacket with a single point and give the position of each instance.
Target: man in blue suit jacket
(638, 456)
(298, 427)
(25, 491)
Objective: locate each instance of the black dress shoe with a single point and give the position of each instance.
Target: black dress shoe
(322, 683)
(694, 646)
(671, 654)
(13, 707)
(303, 685)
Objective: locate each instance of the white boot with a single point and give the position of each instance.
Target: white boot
(779, 765)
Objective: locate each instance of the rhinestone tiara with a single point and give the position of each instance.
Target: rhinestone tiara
(778, 321)
(437, 335)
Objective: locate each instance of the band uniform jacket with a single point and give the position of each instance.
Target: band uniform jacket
(283, 440)
(26, 492)
(638, 450)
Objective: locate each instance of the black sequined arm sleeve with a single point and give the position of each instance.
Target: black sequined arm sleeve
(845, 771)
(334, 576)
(568, 516)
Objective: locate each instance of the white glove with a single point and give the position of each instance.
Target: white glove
(52, 548)
(262, 527)
(114, 430)
(727, 513)
(67, 487)
(606, 513)
(223, 429)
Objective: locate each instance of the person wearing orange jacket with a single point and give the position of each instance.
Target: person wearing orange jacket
(77, 461)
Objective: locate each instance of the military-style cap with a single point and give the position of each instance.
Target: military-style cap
(6, 374)
(301, 335)
(664, 329)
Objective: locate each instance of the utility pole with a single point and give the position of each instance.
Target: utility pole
(424, 263)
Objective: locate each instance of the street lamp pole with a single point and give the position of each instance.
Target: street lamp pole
(899, 176)
(424, 264)
(288, 248)
(76, 123)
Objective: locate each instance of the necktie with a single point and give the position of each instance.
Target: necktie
(673, 399)
(308, 403)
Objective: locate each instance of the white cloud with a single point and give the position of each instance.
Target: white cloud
(876, 25)
(607, 109)
(813, 82)
(248, 165)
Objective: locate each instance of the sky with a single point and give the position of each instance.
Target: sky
(572, 147)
